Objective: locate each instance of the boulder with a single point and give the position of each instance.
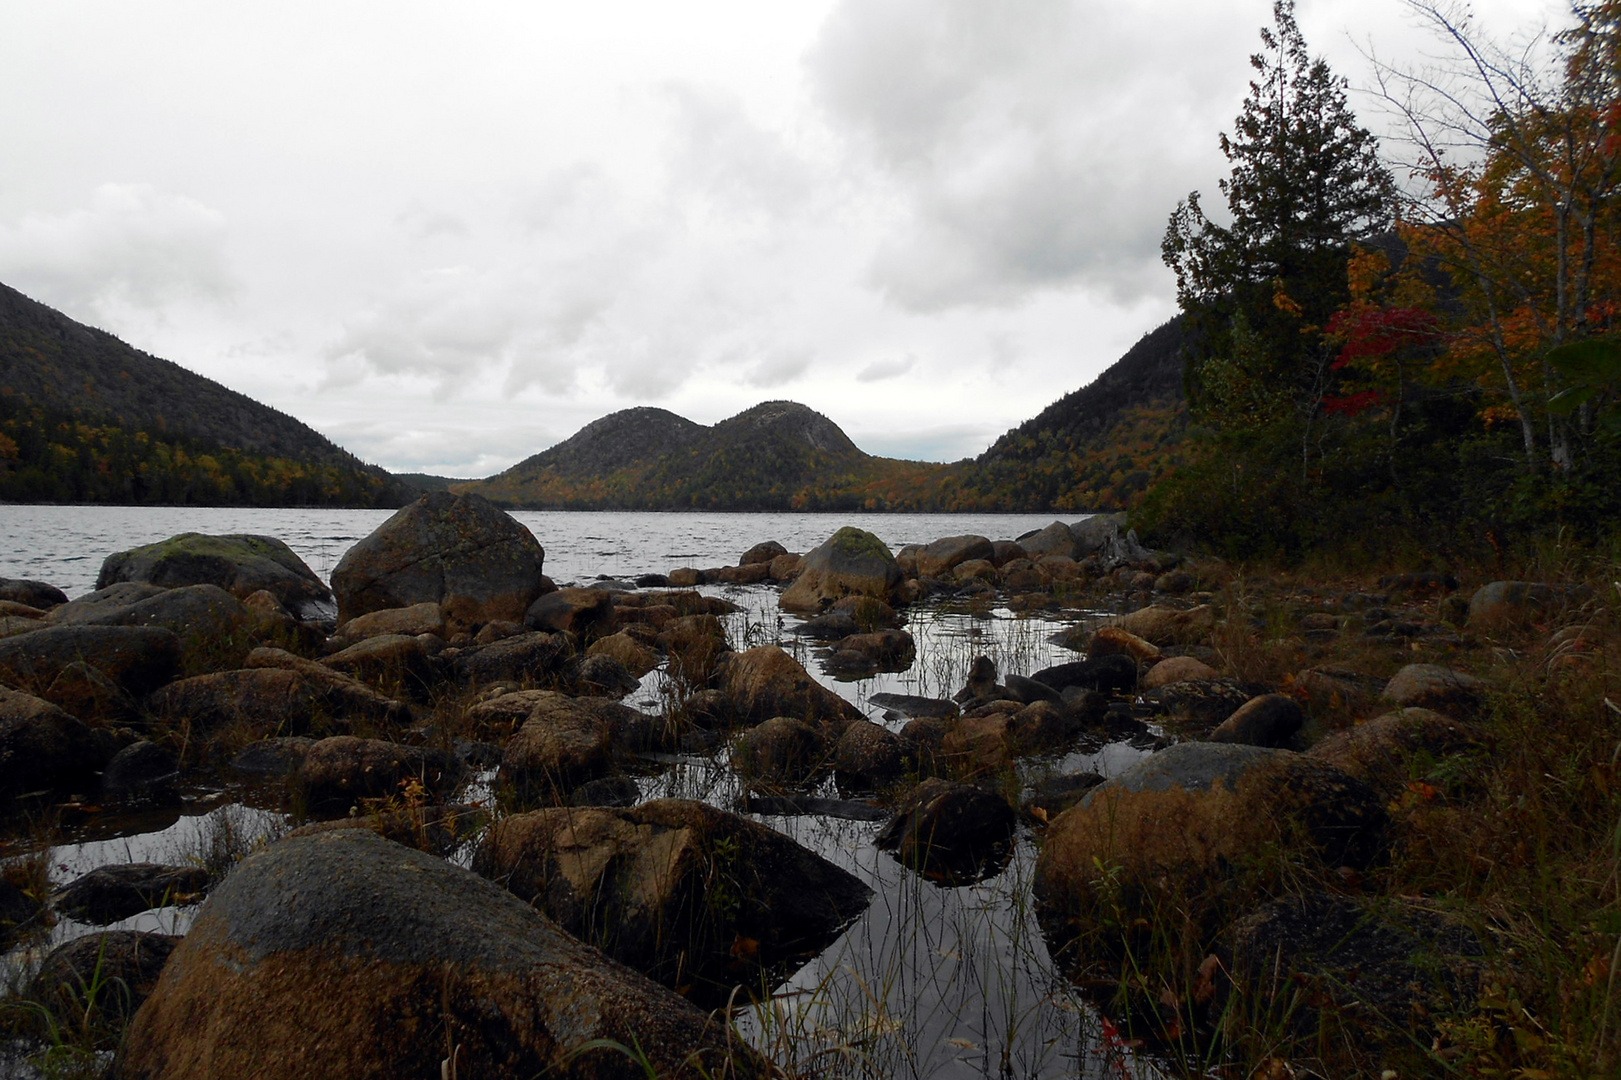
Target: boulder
(975, 570)
(533, 657)
(747, 574)
(135, 659)
(280, 757)
(309, 960)
(1197, 828)
(1006, 551)
(1267, 720)
(267, 700)
(1205, 703)
(764, 682)
(459, 551)
(636, 658)
(830, 626)
(214, 628)
(695, 645)
(1029, 691)
(1094, 534)
(1432, 686)
(110, 893)
(763, 552)
(1055, 539)
(239, 563)
(41, 746)
(685, 577)
(781, 751)
(786, 567)
(337, 773)
(851, 562)
(92, 986)
(1175, 669)
(939, 559)
(424, 618)
(869, 757)
(1105, 674)
(563, 743)
(1512, 605)
(688, 893)
(950, 832)
(585, 613)
(603, 676)
(868, 612)
(1167, 625)
(142, 772)
(1114, 641)
(886, 650)
(911, 705)
(1383, 751)
(10, 609)
(1052, 795)
(36, 594)
(400, 663)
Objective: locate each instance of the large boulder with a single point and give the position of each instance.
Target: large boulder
(423, 618)
(1384, 751)
(274, 701)
(1055, 539)
(585, 613)
(1434, 686)
(940, 558)
(214, 627)
(1197, 828)
(852, 562)
(134, 659)
(533, 657)
(43, 747)
(1163, 625)
(565, 742)
(1267, 720)
(36, 594)
(781, 751)
(1509, 605)
(343, 954)
(950, 832)
(459, 551)
(765, 681)
(686, 892)
(240, 564)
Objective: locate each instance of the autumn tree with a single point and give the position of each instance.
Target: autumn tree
(1306, 182)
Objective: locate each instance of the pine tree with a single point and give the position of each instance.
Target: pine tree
(1306, 182)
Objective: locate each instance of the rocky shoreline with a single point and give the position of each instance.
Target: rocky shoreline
(1240, 871)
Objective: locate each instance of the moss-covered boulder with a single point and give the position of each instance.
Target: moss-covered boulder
(459, 551)
(852, 562)
(688, 893)
(239, 563)
(343, 954)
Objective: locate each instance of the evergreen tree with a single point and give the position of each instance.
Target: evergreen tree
(1306, 182)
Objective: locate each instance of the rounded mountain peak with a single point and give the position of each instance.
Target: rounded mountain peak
(795, 422)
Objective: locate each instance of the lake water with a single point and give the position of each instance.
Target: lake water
(931, 981)
(65, 545)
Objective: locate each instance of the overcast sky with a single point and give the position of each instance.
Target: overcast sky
(449, 235)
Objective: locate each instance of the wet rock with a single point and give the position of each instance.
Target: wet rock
(686, 577)
(1029, 691)
(1202, 704)
(887, 650)
(459, 551)
(869, 613)
(1113, 641)
(1373, 970)
(763, 552)
(241, 564)
(564, 743)
(1167, 625)
(1197, 820)
(396, 662)
(691, 894)
(110, 893)
(1052, 795)
(937, 560)
(1432, 686)
(1006, 551)
(135, 659)
(1382, 751)
(631, 654)
(748, 574)
(832, 626)
(337, 773)
(695, 645)
(787, 567)
(950, 832)
(1105, 674)
(606, 791)
(809, 806)
(1175, 669)
(585, 613)
(424, 618)
(981, 684)
(36, 594)
(869, 757)
(912, 706)
(603, 676)
(141, 772)
(42, 747)
(851, 562)
(532, 657)
(765, 682)
(1268, 720)
(94, 984)
(299, 952)
(779, 751)
(274, 700)
(273, 757)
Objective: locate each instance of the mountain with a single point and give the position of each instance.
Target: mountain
(1094, 448)
(85, 417)
(779, 455)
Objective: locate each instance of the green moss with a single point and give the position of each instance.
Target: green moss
(853, 543)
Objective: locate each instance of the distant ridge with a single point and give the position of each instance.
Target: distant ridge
(85, 417)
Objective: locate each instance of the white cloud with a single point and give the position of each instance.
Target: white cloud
(132, 246)
(879, 370)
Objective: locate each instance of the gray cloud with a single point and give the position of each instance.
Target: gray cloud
(1027, 146)
(777, 369)
(879, 370)
(133, 245)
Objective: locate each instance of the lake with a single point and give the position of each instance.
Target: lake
(931, 981)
